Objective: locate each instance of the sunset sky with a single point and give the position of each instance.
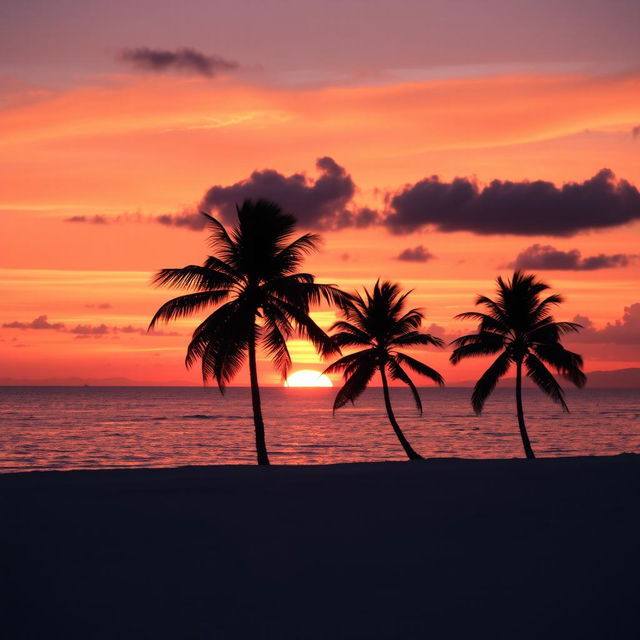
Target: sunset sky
(434, 143)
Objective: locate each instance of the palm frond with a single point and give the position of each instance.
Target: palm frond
(187, 305)
(398, 373)
(210, 330)
(216, 264)
(497, 312)
(220, 240)
(415, 339)
(276, 346)
(566, 363)
(544, 380)
(421, 368)
(192, 277)
(290, 257)
(355, 384)
(488, 381)
(307, 328)
(542, 308)
(345, 363)
(487, 322)
(476, 345)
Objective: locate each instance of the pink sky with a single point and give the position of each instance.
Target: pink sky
(393, 92)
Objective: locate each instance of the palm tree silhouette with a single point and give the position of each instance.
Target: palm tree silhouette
(254, 273)
(520, 327)
(378, 323)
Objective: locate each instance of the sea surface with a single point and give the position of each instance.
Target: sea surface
(106, 427)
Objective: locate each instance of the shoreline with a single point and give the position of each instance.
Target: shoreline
(329, 465)
(445, 548)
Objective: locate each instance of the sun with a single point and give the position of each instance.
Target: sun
(308, 378)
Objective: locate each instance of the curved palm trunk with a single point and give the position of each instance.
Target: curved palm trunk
(408, 449)
(261, 445)
(523, 430)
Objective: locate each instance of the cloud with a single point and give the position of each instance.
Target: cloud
(41, 322)
(635, 132)
(90, 330)
(323, 203)
(112, 219)
(625, 331)
(516, 208)
(417, 254)
(546, 257)
(187, 220)
(97, 219)
(184, 60)
(100, 305)
(500, 208)
(85, 330)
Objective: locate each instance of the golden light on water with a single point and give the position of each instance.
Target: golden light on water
(308, 378)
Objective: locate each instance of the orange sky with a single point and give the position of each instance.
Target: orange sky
(129, 147)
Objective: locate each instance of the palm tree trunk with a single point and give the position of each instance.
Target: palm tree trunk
(408, 449)
(261, 445)
(523, 430)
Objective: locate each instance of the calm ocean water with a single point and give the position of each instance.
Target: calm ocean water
(94, 427)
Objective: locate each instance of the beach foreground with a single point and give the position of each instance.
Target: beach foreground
(438, 549)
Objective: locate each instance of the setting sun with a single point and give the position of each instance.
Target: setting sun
(308, 378)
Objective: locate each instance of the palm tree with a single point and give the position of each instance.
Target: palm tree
(519, 326)
(260, 297)
(379, 323)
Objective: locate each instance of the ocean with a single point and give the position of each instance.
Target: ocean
(106, 427)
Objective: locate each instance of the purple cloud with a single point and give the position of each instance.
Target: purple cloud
(417, 254)
(516, 208)
(41, 322)
(546, 257)
(625, 331)
(97, 219)
(184, 60)
(323, 203)
(84, 330)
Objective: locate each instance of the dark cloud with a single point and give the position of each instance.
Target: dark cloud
(417, 254)
(88, 219)
(517, 208)
(183, 60)
(635, 132)
(41, 322)
(500, 208)
(625, 331)
(546, 257)
(100, 305)
(322, 203)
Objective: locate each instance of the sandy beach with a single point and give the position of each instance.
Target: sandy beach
(443, 548)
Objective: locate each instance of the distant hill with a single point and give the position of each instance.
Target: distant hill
(618, 379)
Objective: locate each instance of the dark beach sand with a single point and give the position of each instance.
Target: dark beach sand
(435, 549)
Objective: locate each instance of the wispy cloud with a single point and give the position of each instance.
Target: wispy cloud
(84, 330)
